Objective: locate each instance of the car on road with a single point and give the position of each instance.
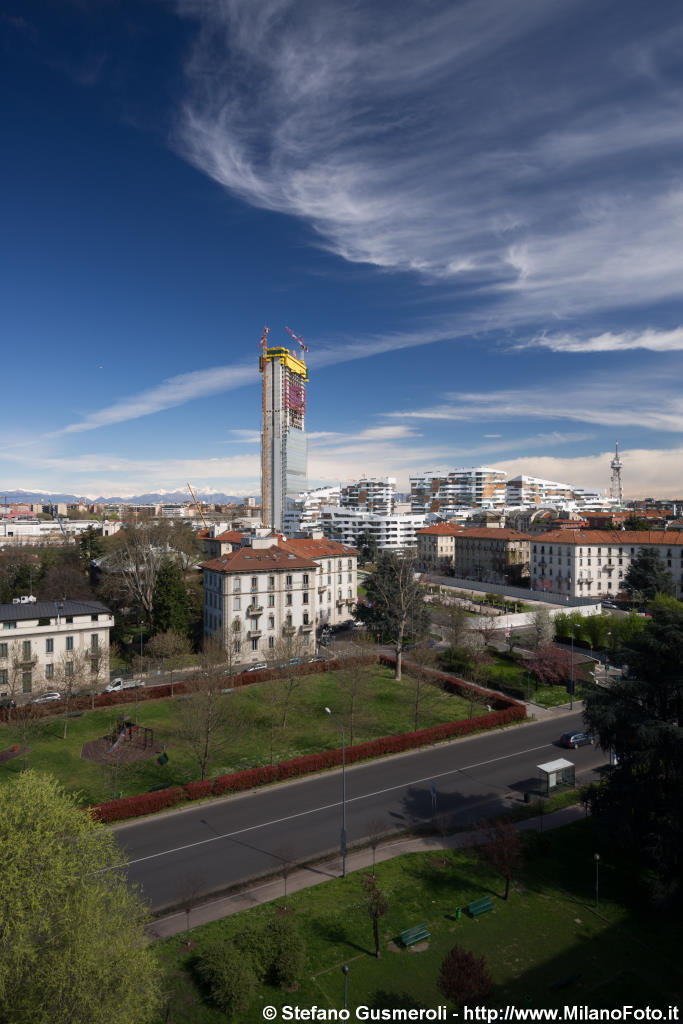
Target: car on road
(257, 667)
(576, 739)
(47, 698)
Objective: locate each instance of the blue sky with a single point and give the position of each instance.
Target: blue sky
(471, 211)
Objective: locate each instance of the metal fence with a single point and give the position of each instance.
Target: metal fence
(520, 593)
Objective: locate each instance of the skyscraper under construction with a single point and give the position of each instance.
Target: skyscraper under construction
(283, 435)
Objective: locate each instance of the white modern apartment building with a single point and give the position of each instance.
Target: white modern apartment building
(593, 563)
(53, 644)
(374, 494)
(526, 491)
(303, 512)
(278, 589)
(389, 532)
(283, 434)
(446, 491)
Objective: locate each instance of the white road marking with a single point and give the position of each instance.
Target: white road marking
(327, 807)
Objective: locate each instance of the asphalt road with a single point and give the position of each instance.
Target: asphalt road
(185, 855)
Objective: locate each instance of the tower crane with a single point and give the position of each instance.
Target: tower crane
(206, 525)
(297, 339)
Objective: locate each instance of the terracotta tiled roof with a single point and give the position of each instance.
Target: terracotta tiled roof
(258, 560)
(440, 530)
(234, 536)
(484, 533)
(319, 547)
(610, 538)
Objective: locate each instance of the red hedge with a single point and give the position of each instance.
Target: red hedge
(246, 779)
(134, 806)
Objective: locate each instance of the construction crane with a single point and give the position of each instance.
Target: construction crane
(55, 515)
(297, 339)
(198, 508)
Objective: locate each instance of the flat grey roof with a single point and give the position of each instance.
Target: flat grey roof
(50, 610)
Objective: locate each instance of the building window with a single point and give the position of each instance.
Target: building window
(288, 581)
(237, 603)
(271, 642)
(271, 582)
(237, 586)
(26, 681)
(69, 643)
(9, 625)
(3, 650)
(254, 582)
(305, 579)
(288, 599)
(94, 666)
(271, 600)
(94, 641)
(304, 639)
(26, 648)
(271, 622)
(329, 596)
(3, 677)
(288, 620)
(305, 594)
(305, 619)
(254, 643)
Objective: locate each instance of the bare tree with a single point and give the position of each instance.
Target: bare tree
(354, 679)
(501, 849)
(423, 691)
(71, 673)
(205, 717)
(28, 718)
(456, 629)
(377, 905)
(20, 668)
(376, 828)
(395, 602)
(287, 655)
(487, 627)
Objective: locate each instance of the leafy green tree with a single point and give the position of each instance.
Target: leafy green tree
(170, 603)
(90, 546)
(641, 719)
(637, 523)
(72, 940)
(229, 975)
(395, 606)
(648, 576)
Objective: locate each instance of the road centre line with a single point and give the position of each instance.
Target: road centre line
(327, 807)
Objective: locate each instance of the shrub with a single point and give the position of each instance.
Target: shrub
(287, 952)
(229, 975)
(463, 978)
(135, 806)
(196, 790)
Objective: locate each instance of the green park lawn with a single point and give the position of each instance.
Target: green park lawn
(547, 946)
(245, 741)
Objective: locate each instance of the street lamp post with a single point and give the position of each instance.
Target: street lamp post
(571, 681)
(343, 829)
(596, 858)
(345, 972)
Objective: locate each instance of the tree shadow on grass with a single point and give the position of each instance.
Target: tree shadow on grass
(382, 999)
(333, 931)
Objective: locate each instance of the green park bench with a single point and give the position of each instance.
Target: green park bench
(412, 935)
(480, 906)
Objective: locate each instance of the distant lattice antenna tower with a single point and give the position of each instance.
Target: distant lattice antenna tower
(616, 465)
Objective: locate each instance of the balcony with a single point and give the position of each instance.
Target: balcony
(288, 630)
(253, 634)
(307, 627)
(254, 609)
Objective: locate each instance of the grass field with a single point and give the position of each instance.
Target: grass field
(245, 742)
(547, 946)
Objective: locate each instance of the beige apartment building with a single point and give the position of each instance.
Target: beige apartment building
(593, 563)
(278, 588)
(436, 546)
(490, 555)
(47, 645)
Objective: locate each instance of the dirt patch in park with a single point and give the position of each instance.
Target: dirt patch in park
(127, 751)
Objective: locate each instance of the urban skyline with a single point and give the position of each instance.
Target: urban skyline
(468, 211)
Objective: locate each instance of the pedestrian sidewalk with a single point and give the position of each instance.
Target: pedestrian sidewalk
(306, 877)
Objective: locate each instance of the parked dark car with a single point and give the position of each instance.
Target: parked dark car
(7, 702)
(576, 739)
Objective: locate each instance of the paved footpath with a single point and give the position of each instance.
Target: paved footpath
(303, 878)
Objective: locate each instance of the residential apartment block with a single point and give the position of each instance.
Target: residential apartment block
(593, 563)
(48, 644)
(532, 490)
(373, 494)
(445, 492)
(279, 588)
(479, 553)
(396, 532)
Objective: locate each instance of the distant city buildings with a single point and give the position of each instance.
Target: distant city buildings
(442, 492)
(373, 494)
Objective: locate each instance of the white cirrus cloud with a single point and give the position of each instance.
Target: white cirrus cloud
(442, 139)
(610, 341)
(170, 393)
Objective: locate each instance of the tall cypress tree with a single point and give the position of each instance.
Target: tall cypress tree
(171, 604)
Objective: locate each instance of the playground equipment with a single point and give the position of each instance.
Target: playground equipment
(127, 731)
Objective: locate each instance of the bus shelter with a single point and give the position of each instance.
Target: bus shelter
(556, 773)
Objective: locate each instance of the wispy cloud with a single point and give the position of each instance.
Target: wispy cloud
(383, 140)
(660, 406)
(609, 341)
(170, 393)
